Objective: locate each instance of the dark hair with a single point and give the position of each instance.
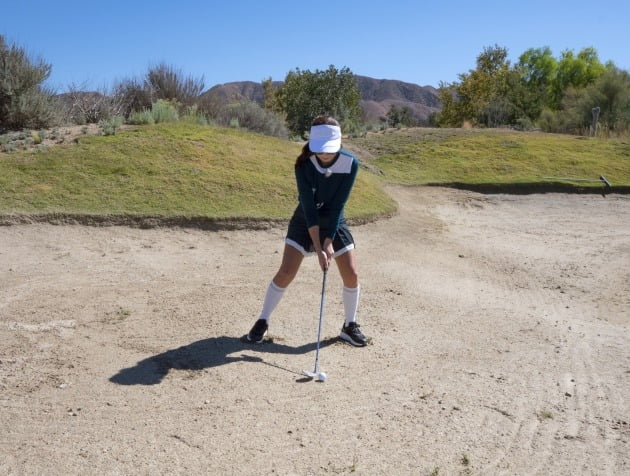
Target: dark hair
(318, 121)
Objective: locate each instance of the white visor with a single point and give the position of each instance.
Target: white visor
(325, 139)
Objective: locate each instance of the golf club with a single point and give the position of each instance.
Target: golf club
(321, 376)
(601, 179)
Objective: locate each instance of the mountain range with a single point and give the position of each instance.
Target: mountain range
(377, 96)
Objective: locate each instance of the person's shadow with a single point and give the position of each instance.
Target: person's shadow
(203, 354)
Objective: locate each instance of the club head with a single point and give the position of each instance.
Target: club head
(309, 374)
(319, 376)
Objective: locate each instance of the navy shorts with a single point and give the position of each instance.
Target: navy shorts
(298, 237)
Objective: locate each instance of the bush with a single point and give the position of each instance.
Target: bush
(110, 126)
(141, 118)
(24, 102)
(166, 83)
(39, 137)
(164, 111)
(82, 107)
(549, 121)
(199, 119)
(251, 116)
(524, 124)
(193, 116)
(132, 96)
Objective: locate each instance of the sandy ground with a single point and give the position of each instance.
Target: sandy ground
(500, 345)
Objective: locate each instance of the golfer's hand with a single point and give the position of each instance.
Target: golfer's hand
(328, 248)
(324, 260)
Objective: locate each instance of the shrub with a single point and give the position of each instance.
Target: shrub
(166, 83)
(164, 111)
(24, 102)
(39, 137)
(199, 119)
(193, 116)
(549, 121)
(141, 118)
(110, 126)
(524, 124)
(132, 96)
(250, 116)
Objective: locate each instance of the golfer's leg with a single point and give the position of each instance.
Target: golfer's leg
(347, 265)
(291, 261)
(289, 267)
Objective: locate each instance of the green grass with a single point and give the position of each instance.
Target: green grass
(183, 170)
(496, 158)
(169, 170)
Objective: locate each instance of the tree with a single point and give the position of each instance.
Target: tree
(537, 69)
(611, 93)
(577, 71)
(272, 98)
(481, 96)
(24, 101)
(397, 117)
(165, 82)
(307, 94)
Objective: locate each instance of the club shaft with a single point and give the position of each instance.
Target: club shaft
(321, 318)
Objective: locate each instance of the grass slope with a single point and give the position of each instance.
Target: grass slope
(497, 158)
(168, 170)
(205, 173)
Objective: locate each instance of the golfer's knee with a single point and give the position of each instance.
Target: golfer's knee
(284, 277)
(351, 279)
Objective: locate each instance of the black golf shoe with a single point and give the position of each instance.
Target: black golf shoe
(258, 332)
(352, 334)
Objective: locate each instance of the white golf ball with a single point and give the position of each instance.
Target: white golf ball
(322, 376)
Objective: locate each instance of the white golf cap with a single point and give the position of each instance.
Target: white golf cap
(325, 139)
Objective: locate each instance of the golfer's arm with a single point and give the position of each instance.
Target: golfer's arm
(313, 232)
(340, 200)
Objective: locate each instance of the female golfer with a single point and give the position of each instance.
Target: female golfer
(325, 175)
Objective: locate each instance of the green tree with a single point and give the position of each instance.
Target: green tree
(577, 71)
(24, 101)
(537, 69)
(449, 116)
(307, 94)
(397, 117)
(611, 93)
(481, 96)
(272, 98)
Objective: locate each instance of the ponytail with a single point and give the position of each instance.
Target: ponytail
(304, 156)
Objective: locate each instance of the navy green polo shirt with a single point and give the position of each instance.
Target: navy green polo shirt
(324, 190)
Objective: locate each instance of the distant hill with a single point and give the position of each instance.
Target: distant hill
(377, 96)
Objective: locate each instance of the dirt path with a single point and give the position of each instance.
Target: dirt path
(501, 345)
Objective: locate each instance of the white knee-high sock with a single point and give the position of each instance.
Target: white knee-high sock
(272, 298)
(351, 303)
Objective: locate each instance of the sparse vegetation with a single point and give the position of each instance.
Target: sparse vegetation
(164, 111)
(174, 170)
(252, 117)
(24, 101)
(556, 95)
(110, 126)
(501, 159)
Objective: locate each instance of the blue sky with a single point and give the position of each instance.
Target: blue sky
(94, 44)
